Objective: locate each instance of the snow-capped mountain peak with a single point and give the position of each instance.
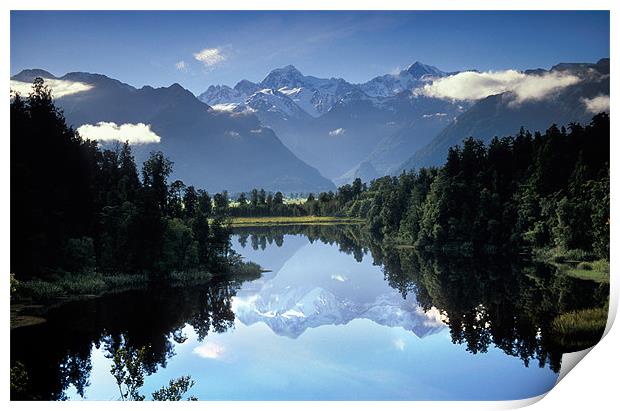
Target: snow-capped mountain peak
(392, 84)
(312, 95)
(246, 87)
(274, 101)
(216, 95)
(287, 76)
(287, 92)
(420, 70)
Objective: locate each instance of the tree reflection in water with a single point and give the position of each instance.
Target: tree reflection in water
(486, 301)
(153, 318)
(507, 301)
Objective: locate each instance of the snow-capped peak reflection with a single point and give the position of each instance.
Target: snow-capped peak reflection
(305, 293)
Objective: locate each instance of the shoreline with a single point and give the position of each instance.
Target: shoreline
(27, 310)
(291, 220)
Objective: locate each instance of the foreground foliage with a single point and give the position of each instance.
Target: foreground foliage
(543, 191)
(155, 318)
(578, 329)
(502, 301)
(83, 215)
(128, 369)
(546, 193)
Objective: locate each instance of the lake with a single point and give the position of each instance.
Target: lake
(338, 317)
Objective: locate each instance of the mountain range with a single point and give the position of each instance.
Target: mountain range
(334, 125)
(500, 114)
(298, 133)
(397, 122)
(210, 149)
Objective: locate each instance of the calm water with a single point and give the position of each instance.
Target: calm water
(336, 318)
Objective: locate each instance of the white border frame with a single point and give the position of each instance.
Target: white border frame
(593, 383)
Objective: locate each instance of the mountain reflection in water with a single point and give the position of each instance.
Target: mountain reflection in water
(339, 316)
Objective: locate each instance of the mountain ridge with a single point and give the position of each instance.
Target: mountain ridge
(210, 149)
(498, 115)
(340, 129)
(338, 124)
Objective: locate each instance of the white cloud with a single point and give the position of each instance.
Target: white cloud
(134, 133)
(232, 134)
(396, 71)
(209, 57)
(337, 132)
(434, 115)
(209, 350)
(240, 110)
(434, 317)
(597, 104)
(471, 85)
(399, 344)
(339, 277)
(229, 107)
(60, 88)
(181, 65)
(244, 304)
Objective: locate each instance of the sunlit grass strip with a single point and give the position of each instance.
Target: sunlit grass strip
(595, 271)
(92, 284)
(302, 220)
(580, 329)
(185, 278)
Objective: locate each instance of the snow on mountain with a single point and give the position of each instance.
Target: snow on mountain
(391, 84)
(216, 95)
(268, 100)
(303, 295)
(306, 112)
(313, 95)
(197, 139)
(423, 71)
(246, 87)
(224, 98)
(316, 96)
(305, 98)
(229, 107)
(287, 76)
(294, 310)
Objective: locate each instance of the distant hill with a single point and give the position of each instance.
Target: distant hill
(336, 126)
(211, 149)
(289, 130)
(391, 123)
(500, 115)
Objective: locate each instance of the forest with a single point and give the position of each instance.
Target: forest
(84, 209)
(543, 192)
(86, 220)
(85, 212)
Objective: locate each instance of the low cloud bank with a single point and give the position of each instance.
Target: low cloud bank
(597, 104)
(60, 88)
(107, 131)
(471, 85)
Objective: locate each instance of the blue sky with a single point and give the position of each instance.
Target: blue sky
(161, 48)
